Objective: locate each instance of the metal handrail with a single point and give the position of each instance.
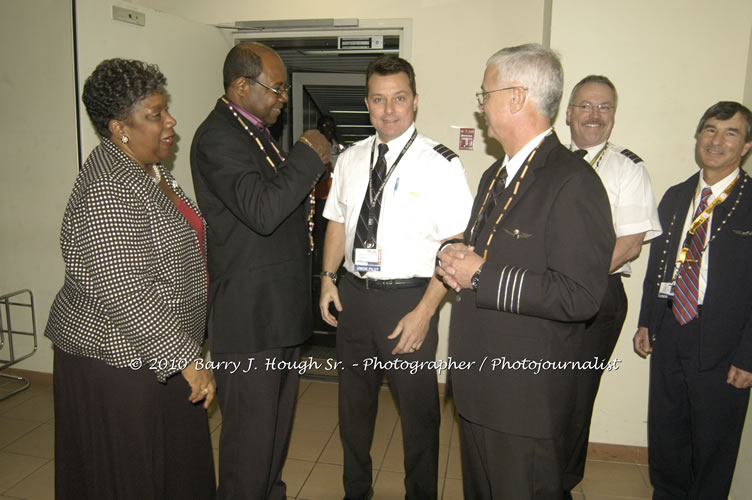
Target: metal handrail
(7, 304)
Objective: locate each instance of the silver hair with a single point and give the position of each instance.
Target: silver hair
(536, 68)
(594, 79)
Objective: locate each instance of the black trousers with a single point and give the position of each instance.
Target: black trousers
(500, 466)
(599, 341)
(367, 318)
(695, 418)
(120, 434)
(257, 407)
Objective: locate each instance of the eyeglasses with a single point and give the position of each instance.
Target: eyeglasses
(483, 96)
(282, 90)
(587, 107)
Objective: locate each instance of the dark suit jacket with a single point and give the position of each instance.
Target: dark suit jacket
(726, 317)
(537, 288)
(258, 245)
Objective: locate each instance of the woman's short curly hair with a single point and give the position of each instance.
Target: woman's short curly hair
(115, 86)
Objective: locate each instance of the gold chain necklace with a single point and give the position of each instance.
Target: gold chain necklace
(311, 195)
(250, 132)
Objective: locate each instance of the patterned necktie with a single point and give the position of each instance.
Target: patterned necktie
(368, 221)
(494, 199)
(688, 278)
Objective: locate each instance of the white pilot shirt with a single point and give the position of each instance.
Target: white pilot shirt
(717, 189)
(425, 200)
(630, 194)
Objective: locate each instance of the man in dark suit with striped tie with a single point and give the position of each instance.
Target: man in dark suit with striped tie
(696, 315)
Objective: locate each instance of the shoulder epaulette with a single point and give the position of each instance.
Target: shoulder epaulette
(631, 156)
(445, 152)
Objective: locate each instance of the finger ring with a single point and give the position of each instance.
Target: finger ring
(205, 390)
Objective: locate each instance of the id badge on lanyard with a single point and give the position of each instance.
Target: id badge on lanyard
(666, 290)
(367, 259)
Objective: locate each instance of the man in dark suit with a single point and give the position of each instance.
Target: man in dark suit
(533, 268)
(255, 203)
(696, 315)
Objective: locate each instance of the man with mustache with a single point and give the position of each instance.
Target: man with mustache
(590, 116)
(255, 203)
(696, 315)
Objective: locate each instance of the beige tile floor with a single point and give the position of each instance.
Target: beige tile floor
(314, 466)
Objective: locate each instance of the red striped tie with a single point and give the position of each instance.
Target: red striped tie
(688, 278)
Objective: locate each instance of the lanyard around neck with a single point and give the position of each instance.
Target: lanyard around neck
(596, 159)
(509, 200)
(371, 196)
(253, 136)
(701, 218)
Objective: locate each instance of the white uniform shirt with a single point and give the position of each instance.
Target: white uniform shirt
(717, 189)
(630, 193)
(426, 199)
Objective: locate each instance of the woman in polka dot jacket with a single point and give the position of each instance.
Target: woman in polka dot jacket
(129, 321)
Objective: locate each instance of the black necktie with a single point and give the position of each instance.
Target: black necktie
(368, 221)
(582, 153)
(494, 198)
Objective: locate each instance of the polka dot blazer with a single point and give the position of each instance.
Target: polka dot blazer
(135, 288)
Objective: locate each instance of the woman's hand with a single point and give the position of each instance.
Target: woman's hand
(202, 384)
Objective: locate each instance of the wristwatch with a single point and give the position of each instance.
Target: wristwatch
(475, 280)
(332, 276)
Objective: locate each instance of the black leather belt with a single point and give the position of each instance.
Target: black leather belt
(370, 284)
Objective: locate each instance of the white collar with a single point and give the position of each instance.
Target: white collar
(591, 151)
(396, 144)
(515, 163)
(718, 187)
